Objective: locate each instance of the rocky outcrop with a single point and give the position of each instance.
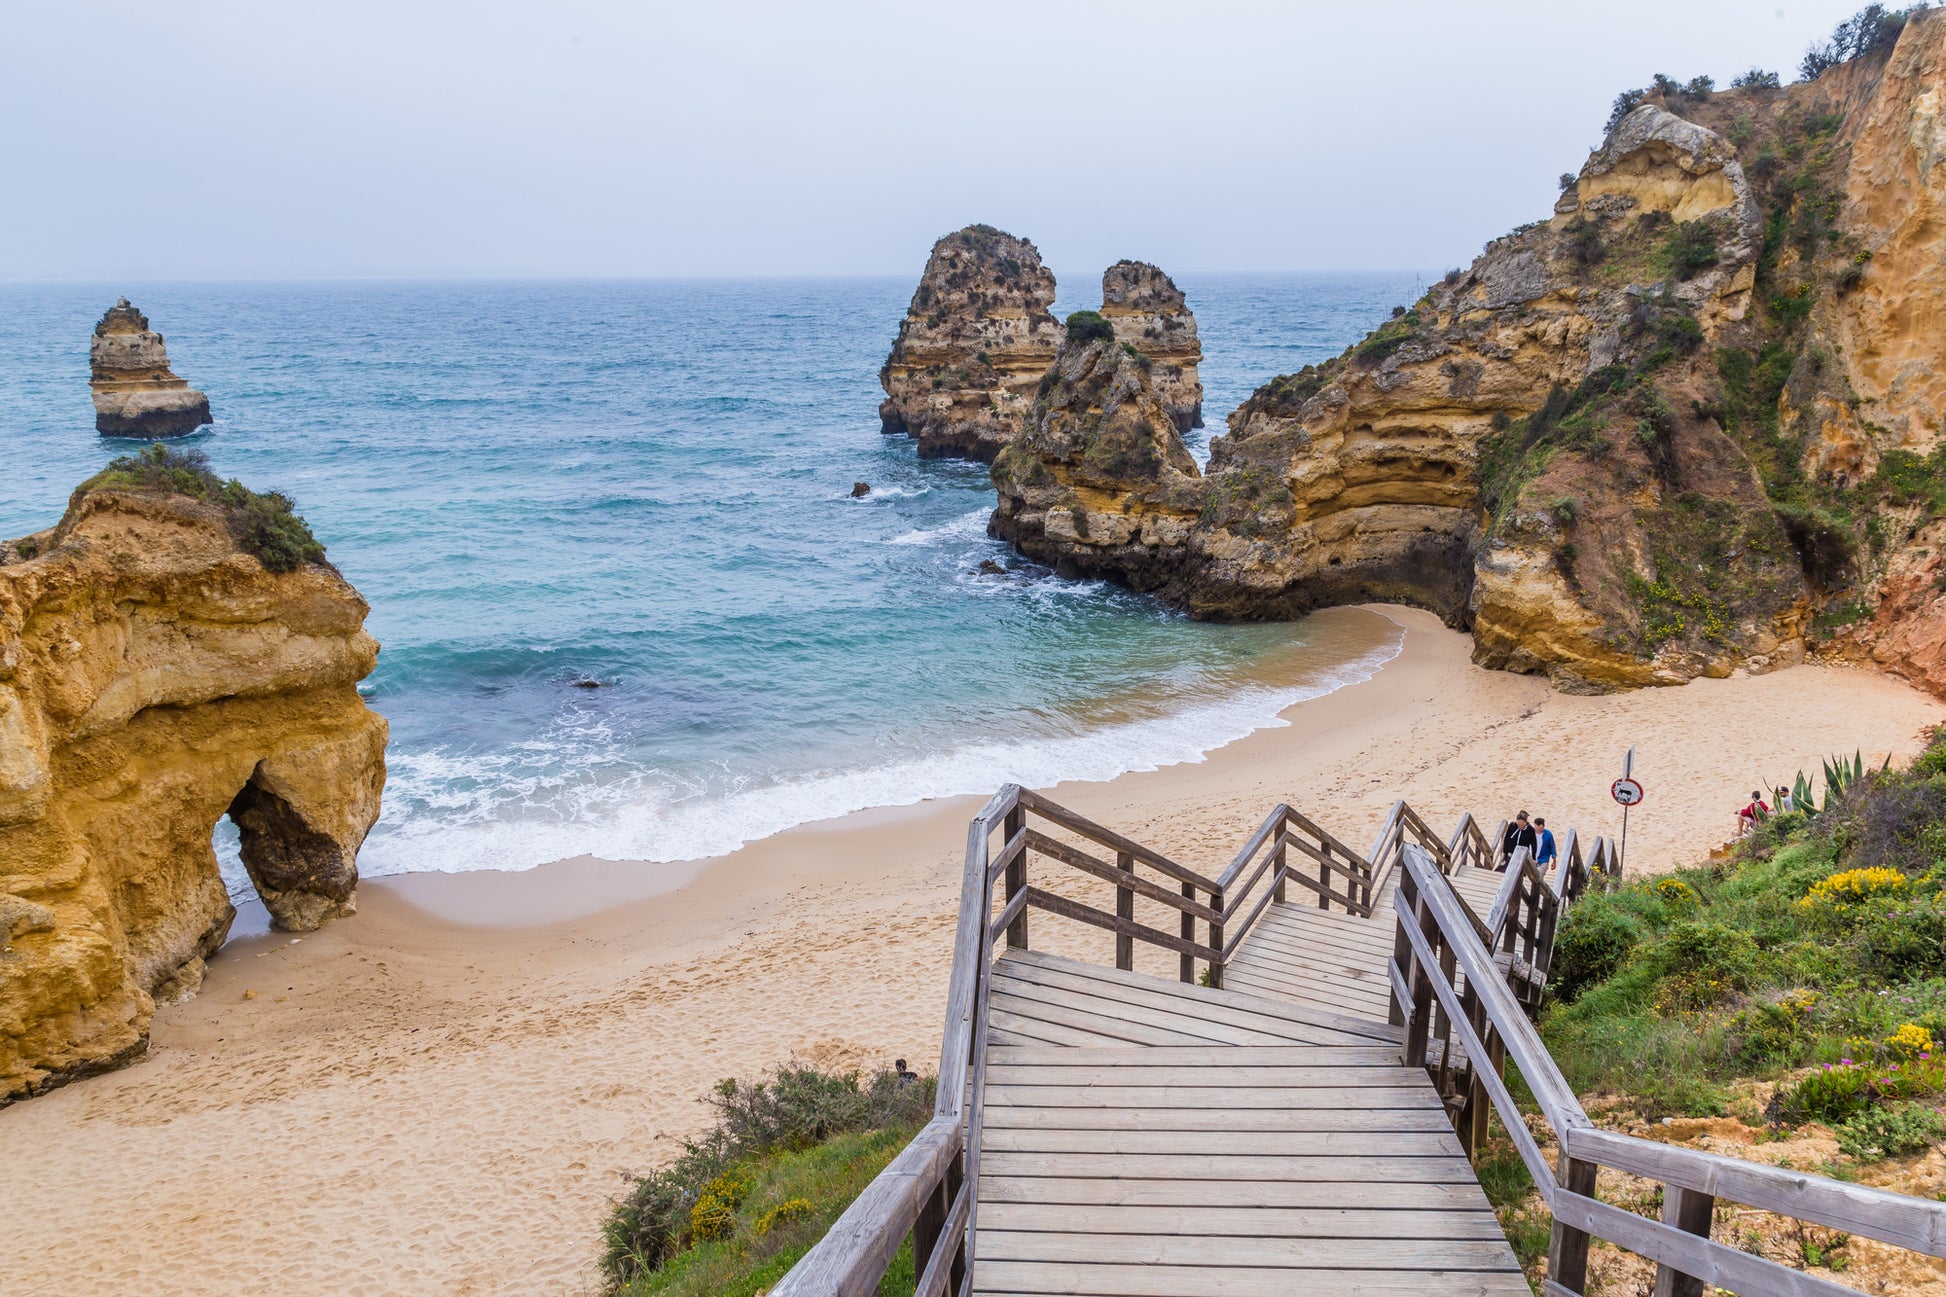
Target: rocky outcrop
(1149, 313)
(974, 343)
(1666, 432)
(155, 676)
(1099, 481)
(136, 393)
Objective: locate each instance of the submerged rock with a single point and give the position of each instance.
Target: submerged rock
(974, 342)
(136, 393)
(859, 490)
(1149, 313)
(154, 677)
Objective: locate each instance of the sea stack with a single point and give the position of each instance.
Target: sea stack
(974, 342)
(156, 674)
(136, 393)
(1100, 430)
(1149, 313)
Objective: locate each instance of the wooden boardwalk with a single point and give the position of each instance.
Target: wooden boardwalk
(1147, 1138)
(1333, 959)
(1102, 1133)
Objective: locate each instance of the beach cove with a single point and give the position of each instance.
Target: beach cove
(427, 1098)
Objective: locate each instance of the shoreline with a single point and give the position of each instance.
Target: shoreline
(439, 1095)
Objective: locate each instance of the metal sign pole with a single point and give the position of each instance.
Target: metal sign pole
(1621, 854)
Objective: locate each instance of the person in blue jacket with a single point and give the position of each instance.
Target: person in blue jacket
(1544, 855)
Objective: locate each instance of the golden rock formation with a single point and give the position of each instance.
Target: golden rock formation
(1649, 438)
(136, 393)
(153, 678)
(974, 342)
(1149, 313)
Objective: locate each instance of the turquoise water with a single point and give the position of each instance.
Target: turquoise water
(647, 485)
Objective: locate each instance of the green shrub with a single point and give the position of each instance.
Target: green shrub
(1089, 326)
(1892, 1131)
(697, 1197)
(1692, 250)
(263, 525)
(1832, 1095)
(1903, 940)
(784, 1213)
(1593, 942)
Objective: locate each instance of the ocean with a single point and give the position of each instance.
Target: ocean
(647, 485)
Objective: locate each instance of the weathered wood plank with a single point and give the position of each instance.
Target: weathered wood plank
(1145, 1096)
(1088, 914)
(1082, 1188)
(1008, 1278)
(1196, 1056)
(1136, 1166)
(1098, 1028)
(1339, 1254)
(1243, 1143)
(1315, 1073)
(1302, 1025)
(1245, 1222)
(1113, 1015)
(1086, 828)
(1245, 1120)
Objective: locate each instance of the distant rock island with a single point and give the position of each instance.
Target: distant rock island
(175, 650)
(136, 393)
(1688, 424)
(980, 333)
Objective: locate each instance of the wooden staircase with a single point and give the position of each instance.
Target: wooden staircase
(1300, 1117)
(1145, 1137)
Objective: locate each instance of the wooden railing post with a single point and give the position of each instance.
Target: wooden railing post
(926, 1229)
(1016, 878)
(1567, 1250)
(1278, 863)
(1324, 876)
(1216, 939)
(1418, 981)
(1187, 969)
(1125, 909)
(1691, 1211)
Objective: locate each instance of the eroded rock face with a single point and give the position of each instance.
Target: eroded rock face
(136, 393)
(154, 678)
(1628, 445)
(1099, 481)
(974, 343)
(1149, 313)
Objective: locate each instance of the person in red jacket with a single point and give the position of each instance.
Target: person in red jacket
(1748, 817)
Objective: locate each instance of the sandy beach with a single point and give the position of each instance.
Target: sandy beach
(440, 1095)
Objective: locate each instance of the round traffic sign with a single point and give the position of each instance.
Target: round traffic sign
(1626, 791)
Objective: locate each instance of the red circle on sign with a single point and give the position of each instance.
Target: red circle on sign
(1626, 791)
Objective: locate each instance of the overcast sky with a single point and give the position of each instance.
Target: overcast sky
(583, 138)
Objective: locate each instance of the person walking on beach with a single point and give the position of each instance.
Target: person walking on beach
(1756, 810)
(1519, 834)
(1544, 854)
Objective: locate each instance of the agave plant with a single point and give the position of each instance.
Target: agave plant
(1840, 773)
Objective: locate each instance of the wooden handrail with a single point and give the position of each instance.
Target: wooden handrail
(930, 1191)
(1445, 986)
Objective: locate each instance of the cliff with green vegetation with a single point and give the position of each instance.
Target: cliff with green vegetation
(1785, 1002)
(174, 650)
(1688, 423)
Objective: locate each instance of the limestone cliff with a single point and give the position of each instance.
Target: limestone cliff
(973, 345)
(136, 393)
(156, 675)
(1149, 313)
(1687, 423)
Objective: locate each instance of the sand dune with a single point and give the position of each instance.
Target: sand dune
(426, 1099)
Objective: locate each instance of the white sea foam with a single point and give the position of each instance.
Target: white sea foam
(968, 526)
(482, 818)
